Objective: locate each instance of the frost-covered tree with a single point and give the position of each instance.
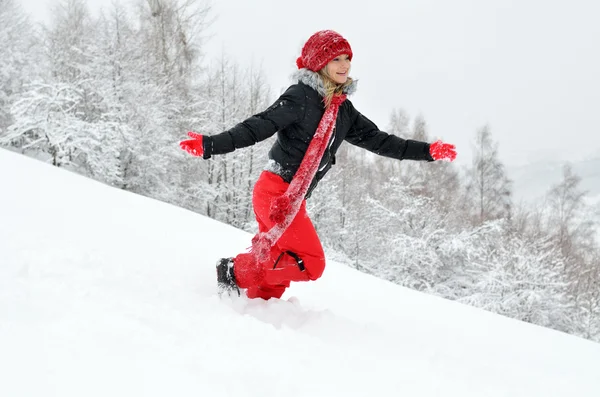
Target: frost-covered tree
(167, 93)
(413, 229)
(572, 231)
(508, 275)
(336, 201)
(383, 228)
(439, 180)
(488, 187)
(399, 123)
(18, 56)
(66, 117)
(69, 41)
(258, 99)
(227, 104)
(231, 95)
(172, 32)
(571, 228)
(586, 297)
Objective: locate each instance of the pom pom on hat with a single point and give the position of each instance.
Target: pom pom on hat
(321, 48)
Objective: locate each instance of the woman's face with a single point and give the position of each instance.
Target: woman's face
(338, 68)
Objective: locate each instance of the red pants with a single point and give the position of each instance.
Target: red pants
(271, 278)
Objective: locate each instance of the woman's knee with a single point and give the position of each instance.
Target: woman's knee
(315, 267)
(267, 292)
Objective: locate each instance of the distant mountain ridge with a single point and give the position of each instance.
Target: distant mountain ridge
(533, 181)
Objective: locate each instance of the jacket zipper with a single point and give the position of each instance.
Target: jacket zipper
(328, 150)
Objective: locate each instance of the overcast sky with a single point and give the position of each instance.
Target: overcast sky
(528, 68)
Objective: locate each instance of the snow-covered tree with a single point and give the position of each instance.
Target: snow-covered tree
(399, 123)
(166, 94)
(586, 297)
(172, 33)
(567, 221)
(234, 95)
(572, 231)
(18, 56)
(488, 187)
(65, 117)
(439, 180)
(332, 206)
(508, 274)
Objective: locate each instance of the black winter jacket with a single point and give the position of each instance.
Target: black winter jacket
(295, 117)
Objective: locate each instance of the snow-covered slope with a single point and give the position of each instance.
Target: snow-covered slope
(105, 293)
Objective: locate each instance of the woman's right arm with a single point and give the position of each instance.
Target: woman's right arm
(288, 109)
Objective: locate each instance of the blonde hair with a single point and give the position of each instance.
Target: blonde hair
(331, 87)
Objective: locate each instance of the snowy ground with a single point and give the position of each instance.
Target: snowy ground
(105, 293)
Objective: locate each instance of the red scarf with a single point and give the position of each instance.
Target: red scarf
(285, 207)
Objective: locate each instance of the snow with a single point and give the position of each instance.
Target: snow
(103, 292)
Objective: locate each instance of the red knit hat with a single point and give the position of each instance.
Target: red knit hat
(321, 48)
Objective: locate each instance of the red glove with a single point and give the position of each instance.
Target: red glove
(193, 146)
(442, 151)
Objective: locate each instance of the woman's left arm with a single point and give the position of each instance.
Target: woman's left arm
(365, 134)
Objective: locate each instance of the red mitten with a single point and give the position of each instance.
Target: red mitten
(193, 146)
(442, 151)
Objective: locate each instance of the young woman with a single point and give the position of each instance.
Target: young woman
(312, 119)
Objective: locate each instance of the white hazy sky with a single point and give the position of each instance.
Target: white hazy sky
(528, 68)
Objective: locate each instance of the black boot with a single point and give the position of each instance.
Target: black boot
(226, 277)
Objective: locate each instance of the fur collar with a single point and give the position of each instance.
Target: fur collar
(313, 80)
